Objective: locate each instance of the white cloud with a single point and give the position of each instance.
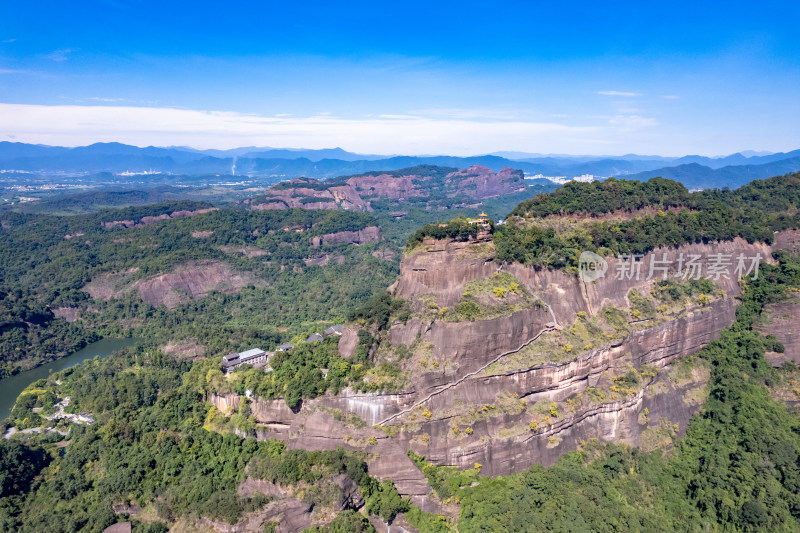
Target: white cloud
(72, 125)
(59, 55)
(10, 71)
(670, 97)
(100, 99)
(632, 122)
(473, 113)
(618, 93)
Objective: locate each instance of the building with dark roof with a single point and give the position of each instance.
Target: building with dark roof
(255, 357)
(334, 330)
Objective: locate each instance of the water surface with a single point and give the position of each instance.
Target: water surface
(11, 387)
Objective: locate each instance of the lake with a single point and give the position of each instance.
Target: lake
(11, 387)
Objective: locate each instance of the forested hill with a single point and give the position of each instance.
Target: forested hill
(623, 217)
(204, 279)
(775, 194)
(428, 186)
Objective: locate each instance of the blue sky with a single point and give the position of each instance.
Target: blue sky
(405, 77)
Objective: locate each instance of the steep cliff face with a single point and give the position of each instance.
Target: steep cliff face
(783, 320)
(368, 234)
(184, 282)
(476, 182)
(480, 182)
(146, 221)
(517, 389)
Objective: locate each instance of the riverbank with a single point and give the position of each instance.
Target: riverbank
(10, 388)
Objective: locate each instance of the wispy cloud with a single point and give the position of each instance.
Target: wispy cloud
(59, 55)
(83, 124)
(11, 71)
(108, 100)
(619, 93)
(460, 113)
(670, 97)
(8, 41)
(632, 122)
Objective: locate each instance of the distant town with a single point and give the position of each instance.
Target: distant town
(561, 180)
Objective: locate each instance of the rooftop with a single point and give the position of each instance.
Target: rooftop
(251, 353)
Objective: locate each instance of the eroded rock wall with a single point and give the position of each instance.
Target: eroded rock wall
(502, 441)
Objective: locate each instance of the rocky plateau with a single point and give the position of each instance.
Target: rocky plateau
(508, 392)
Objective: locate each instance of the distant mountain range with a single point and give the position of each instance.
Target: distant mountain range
(693, 170)
(697, 176)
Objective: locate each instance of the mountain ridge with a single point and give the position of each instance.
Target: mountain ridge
(732, 170)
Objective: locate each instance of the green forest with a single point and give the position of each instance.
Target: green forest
(148, 446)
(753, 212)
(42, 270)
(157, 443)
(49, 259)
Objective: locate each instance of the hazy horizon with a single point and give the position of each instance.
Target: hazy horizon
(507, 154)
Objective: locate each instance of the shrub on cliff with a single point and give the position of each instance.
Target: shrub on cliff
(458, 229)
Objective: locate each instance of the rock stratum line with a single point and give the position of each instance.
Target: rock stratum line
(470, 374)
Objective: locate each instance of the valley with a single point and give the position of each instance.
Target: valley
(472, 357)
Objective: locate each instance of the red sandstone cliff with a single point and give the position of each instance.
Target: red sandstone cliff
(475, 182)
(512, 413)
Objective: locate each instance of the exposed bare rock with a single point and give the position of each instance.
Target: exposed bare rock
(313, 429)
(788, 239)
(126, 508)
(192, 280)
(189, 280)
(70, 314)
(476, 182)
(480, 182)
(291, 516)
(388, 186)
(384, 254)
(226, 403)
(202, 234)
(444, 267)
(121, 223)
(250, 487)
(348, 342)
(146, 221)
(185, 349)
(119, 527)
(249, 251)
(348, 198)
(274, 204)
(399, 525)
(351, 495)
(464, 383)
(783, 321)
(368, 234)
(324, 259)
(110, 285)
